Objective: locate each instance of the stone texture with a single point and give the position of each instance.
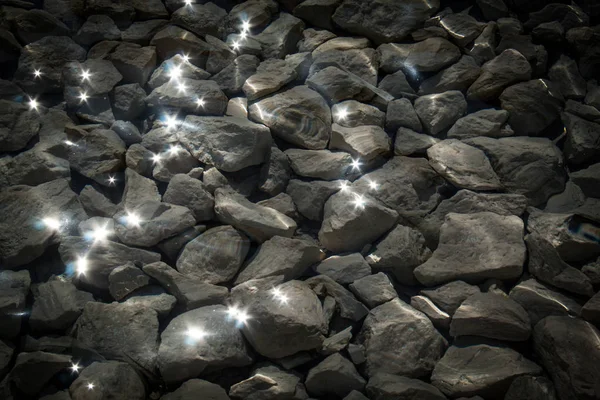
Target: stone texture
(439, 112)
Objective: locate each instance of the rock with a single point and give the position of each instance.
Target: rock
(103, 49)
(464, 166)
(571, 198)
(142, 32)
(549, 32)
(582, 139)
(15, 287)
(125, 279)
(430, 55)
(409, 142)
(191, 193)
(336, 85)
(400, 252)
(587, 179)
(386, 386)
(173, 40)
(344, 269)
(269, 382)
(34, 25)
(134, 62)
(317, 12)
(174, 69)
(122, 13)
(32, 371)
(351, 114)
(531, 388)
(508, 68)
(299, 116)
(231, 78)
(51, 54)
(275, 325)
(313, 38)
(532, 167)
(120, 332)
(465, 253)
(310, 197)
(400, 113)
(533, 106)
(19, 125)
(461, 27)
(334, 375)
(57, 304)
(492, 9)
(438, 112)
(484, 47)
(11, 48)
(582, 110)
(451, 295)
(565, 74)
(567, 349)
(271, 75)
(191, 291)
(192, 387)
(184, 93)
(570, 16)
(280, 256)
(400, 340)
(172, 246)
(460, 371)
(439, 318)
(6, 354)
(112, 379)
(283, 203)
(201, 19)
(591, 310)
(158, 221)
(493, 316)
(382, 21)
(397, 85)
(281, 36)
(374, 290)
(541, 301)
(458, 76)
(352, 221)
(96, 29)
(32, 167)
(592, 271)
(257, 13)
(102, 259)
(96, 154)
(346, 303)
(488, 122)
(215, 256)
(210, 340)
(369, 144)
(138, 190)
(258, 222)
(275, 172)
(322, 164)
(23, 240)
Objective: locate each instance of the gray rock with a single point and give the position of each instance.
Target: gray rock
(322, 164)
(103, 78)
(582, 139)
(191, 291)
(186, 191)
(464, 166)
(15, 288)
(120, 332)
(480, 369)
(461, 27)
(19, 125)
(466, 253)
(400, 340)
(157, 221)
(215, 256)
(374, 290)
(201, 19)
(532, 167)
(352, 113)
(33, 25)
(488, 122)
(32, 371)
(439, 112)
(346, 303)
(220, 55)
(231, 78)
(134, 62)
(492, 9)
(458, 76)
(258, 222)
(400, 252)
(533, 106)
(174, 69)
(310, 196)
(335, 375)
(570, 16)
(541, 301)
(125, 279)
(592, 271)
(6, 354)
(409, 142)
(96, 29)
(484, 47)
(138, 190)
(200, 339)
(32, 167)
(23, 241)
(565, 74)
(270, 382)
(584, 111)
(57, 304)
(275, 326)
(570, 199)
(382, 21)
(184, 94)
(154, 298)
(386, 386)
(128, 132)
(336, 85)
(190, 388)
(299, 116)
(283, 203)
(281, 36)
(172, 246)
(317, 12)
(369, 143)
(344, 269)
(531, 388)
(313, 38)
(142, 32)
(173, 40)
(430, 55)
(588, 180)
(275, 173)
(352, 221)
(271, 75)
(451, 295)
(439, 318)
(567, 349)
(400, 113)
(592, 97)
(493, 316)
(115, 379)
(591, 310)
(139, 159)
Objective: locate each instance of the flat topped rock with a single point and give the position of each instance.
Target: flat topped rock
(439, 112)
(321, 164)
(430, 55)
(184, 94)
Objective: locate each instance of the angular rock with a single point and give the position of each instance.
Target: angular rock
(134, 62)
(184, 93)
(34, 25)
(451, 295)
(588, 180)
(271, 75)
(32, 167)
(281, 36)
(186, 191)
(32, 371)
(138, 190)
(269, 382)
(190, 388)
(299, 116)
(200, 339)
(591, 310)
(174, 69)
(472, 252)
(231, 78)
(275, 173)
(120, 332)
(310, 196)
(461, 27)
(488, 122)
(352, 113)
(430, 55)
(96, 29)
(583, 139)
(122, 13)
(439, 318)
(215, 256)
(531, 388)
(458, 76)
(336, 85)
(172, 246)
(346, 303)
(283, 203)
(384, 386)
(334, 375)
(366, 143)
(484, 47)
(464, 166)
(374, 290)
(142, 32)
(322, 164)
(6, 354)
(565, 74)
(114, 379)
(313, 38)
(258, 222)
(344, 269)
(400, 340)
(173, 40)
(13, 297)
(400, 113)
(439, 112)
(201, 19)
(19, 125)
(492, 9)
(125, 279)
(409, 142)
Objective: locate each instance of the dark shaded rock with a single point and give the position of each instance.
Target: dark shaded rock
(488, 122)
(439, 318)
(138, 189)
(409, 142)
(190, 389)
(374, 290)
(134, 62)
(142, 32)
(492, 9)
(275, 173)
(439, 112)
(565, 74)
(583, 139)
(96, 29)
(201, 19)
(13, 297)
(570, 16)
(281, 36)
(129, 101)
(32, 167)
(34, 25)
(32, 371)
(313, 38)
(346, 303)
(458, 76)
(531, 388)
(588, 180)
(400, 113)
(125, 279)
(334, 375)
(397, 85)
(451, 295)
(461, 27)
(344, 269)
(383, 386)
(114, 379)
(173, 40)
(231, 78)
(310, 196)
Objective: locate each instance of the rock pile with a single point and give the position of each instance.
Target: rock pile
(299, 199)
